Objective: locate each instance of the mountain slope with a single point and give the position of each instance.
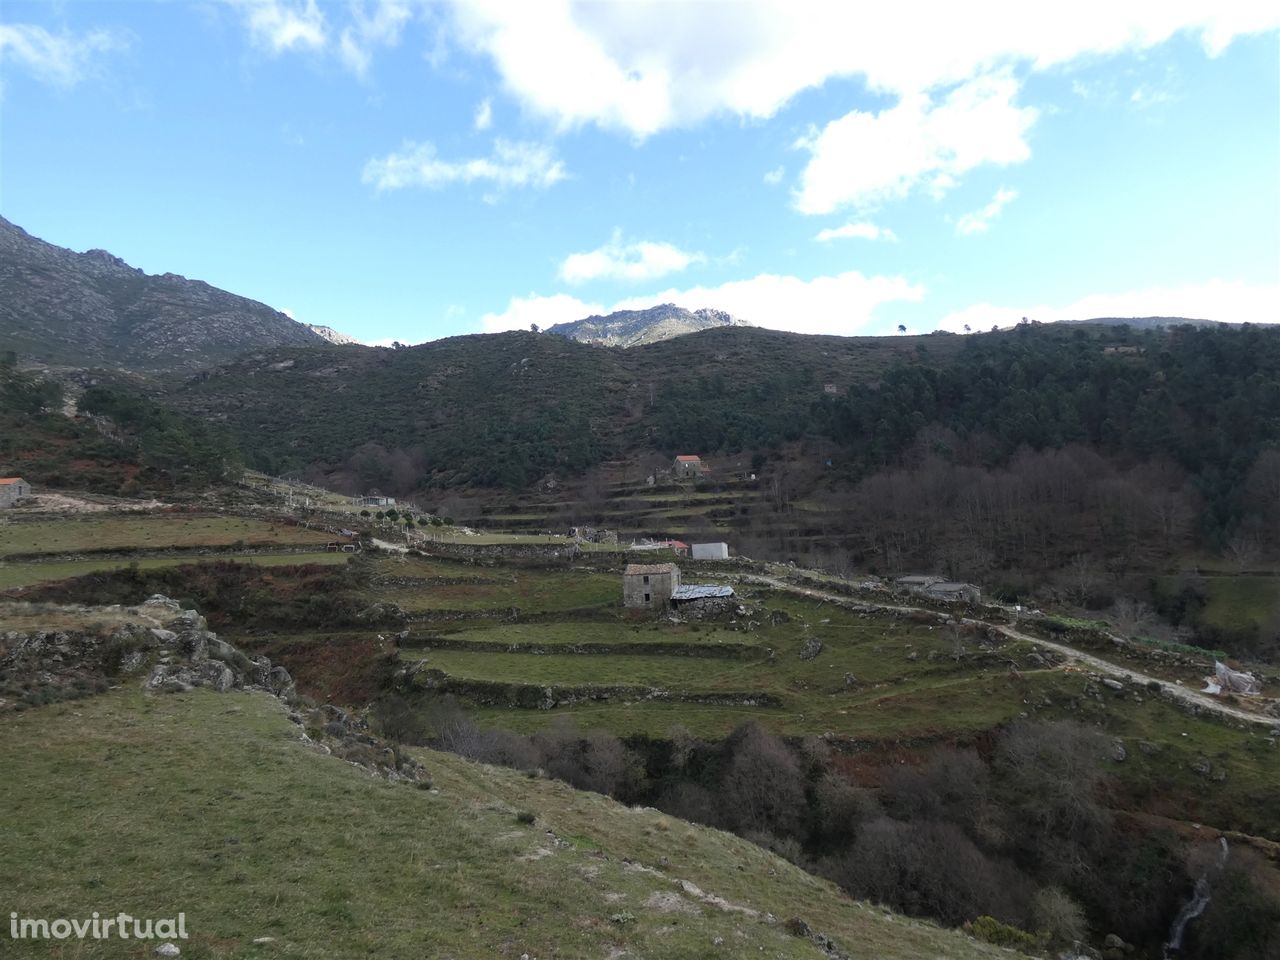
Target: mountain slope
(93, 309)
(632, 328)
(232, 817)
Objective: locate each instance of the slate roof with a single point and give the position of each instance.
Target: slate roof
(701, 591)
(643, 568)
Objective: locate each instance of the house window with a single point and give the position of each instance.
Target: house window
(646, 598)
(646, 581)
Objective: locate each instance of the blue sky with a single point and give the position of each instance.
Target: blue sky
(406, 170)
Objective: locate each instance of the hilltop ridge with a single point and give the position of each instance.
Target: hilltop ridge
(633, 328)
(94, 309)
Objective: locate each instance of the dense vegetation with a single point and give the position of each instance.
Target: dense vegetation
(125, 445)
(186, 452)
(1205, 399)
(507, 410)
(1020, 836)
(232, 595)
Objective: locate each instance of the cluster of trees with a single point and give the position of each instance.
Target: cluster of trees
(1020, 834)
(179, 451)
(1205, 399)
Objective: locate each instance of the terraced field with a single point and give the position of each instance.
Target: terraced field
(22, 573)
(155, 531)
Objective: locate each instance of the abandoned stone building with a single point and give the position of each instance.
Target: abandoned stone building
(937, 588)
(657, 585)
(688, 467)
(13, 489)
(649, 584)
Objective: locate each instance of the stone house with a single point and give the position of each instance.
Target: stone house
(13, 489)
(649, 584)
(688, 466)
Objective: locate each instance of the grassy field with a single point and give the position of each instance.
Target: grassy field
(210, 805)
(490, 588)
(24, 573)
(1241, 603)
(65, 535)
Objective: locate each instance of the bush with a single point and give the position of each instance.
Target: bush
(991, 930)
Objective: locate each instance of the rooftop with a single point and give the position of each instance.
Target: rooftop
(640, 568)
(689, 458)
(700, 591)
(8, 480)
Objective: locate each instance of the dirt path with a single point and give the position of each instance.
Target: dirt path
(1173, 690)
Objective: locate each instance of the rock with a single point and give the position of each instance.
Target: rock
(167, 950)
(797, 928)
(261, 940)
(811, 647)
(1112, 684)
(1202, 766)
(1149, 748)
(850, 681)
(1118, 752)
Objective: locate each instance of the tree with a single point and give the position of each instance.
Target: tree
(533, 328)
(902, 328)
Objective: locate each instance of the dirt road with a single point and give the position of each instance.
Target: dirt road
(1170, 689)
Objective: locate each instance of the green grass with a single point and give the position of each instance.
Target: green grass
(532, 591)
(209, 804)
(24, 573)
(1241, 604)
(134, 532)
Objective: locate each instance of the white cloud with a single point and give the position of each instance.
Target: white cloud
(865, 158)
(380, 26)
(484, 115)
(616, 260)
(774, 176)
(641, 67)
(544, 311)
(511, 165)
(1228, 301)
(859, 231)
(979, 221)
(62, 59)
(280, 26)
(843, 304)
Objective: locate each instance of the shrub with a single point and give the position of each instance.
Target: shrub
(991, 930)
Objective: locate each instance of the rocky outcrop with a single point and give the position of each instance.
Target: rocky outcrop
(177, 653)
(92, 310)
(632, 328)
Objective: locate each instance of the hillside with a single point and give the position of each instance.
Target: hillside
(510, 409)
(1028, 770)
(238, 812)
(94, 310)
(633, 328)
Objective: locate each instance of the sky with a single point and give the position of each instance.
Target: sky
(404, 170)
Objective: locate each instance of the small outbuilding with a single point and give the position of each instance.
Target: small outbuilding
(13, 489)
(649, 584)
(710, 551)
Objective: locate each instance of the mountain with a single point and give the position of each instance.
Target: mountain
(632, 328)
(93, 309)
(332, 335)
